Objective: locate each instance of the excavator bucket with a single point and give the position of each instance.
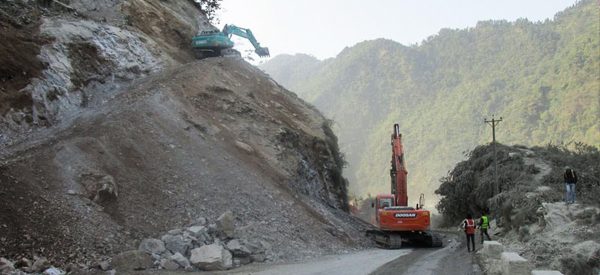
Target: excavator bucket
(262, 52)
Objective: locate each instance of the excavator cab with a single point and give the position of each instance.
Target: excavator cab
(383, 201)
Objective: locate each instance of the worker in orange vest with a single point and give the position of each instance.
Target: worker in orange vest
(469, 227)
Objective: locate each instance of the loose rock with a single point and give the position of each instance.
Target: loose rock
(180, 259)
(53, 271)
(132, 260)
(237, 249)
(247, 148)
(225, 224)
(40, 264)
(177, 243)
(198, 231)
(169, 264)
(211, 257)
(152, 246)
(6, 266)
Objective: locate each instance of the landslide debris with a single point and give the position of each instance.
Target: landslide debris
(107, 139)
(194, 141)
(529, 213)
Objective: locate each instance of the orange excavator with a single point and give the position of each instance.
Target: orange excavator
(398, 223)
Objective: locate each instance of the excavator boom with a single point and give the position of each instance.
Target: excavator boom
(230, 30)
(398, 172)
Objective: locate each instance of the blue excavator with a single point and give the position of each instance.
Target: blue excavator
(218, 43)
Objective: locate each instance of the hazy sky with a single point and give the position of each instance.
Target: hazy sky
(324, 27)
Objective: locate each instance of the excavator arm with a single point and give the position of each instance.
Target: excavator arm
(398, 171)
(230, 30)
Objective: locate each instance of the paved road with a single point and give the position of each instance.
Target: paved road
(452, 259)
(359, 263)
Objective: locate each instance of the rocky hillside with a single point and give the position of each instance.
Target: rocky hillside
(528, 209)
(541, 77)
(61, 58)
(108, 139)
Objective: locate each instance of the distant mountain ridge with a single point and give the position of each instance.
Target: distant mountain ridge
(543, 78)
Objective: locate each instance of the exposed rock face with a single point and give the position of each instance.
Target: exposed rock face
(211, 257)
(131, 260)
(79, 57)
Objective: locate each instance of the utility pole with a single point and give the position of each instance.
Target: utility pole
(493, 122)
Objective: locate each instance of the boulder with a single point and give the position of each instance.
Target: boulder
(243, 260)
(198, 231)
(24, 264)
(200, 221)
(180, 259)
(244, 146)
(211, 257)
(53, 271)
(237, 249)
(492, 249)
(6, 266)
(40, 264)
(259, 257)
(104, 265)
(152, 246)
(213, 229)
(256, 247)
(545, 272)
(177, 243)
(132, 260)
(169, 264)
(225, 224)
(513, 264)
(99, 187)
(175, 231)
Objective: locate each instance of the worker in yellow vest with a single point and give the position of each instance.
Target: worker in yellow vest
(484, 225)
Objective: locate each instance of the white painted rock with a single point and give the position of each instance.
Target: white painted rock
(492, 249)
(513, 264)
(546, 272)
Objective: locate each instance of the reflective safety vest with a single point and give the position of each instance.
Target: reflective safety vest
(470, 226)
(485, 223)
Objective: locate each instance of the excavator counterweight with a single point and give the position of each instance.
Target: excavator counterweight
(397, 222)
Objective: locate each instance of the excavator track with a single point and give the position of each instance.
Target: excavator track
(397, 239)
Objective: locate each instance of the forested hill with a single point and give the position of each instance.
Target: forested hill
(541, 77)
